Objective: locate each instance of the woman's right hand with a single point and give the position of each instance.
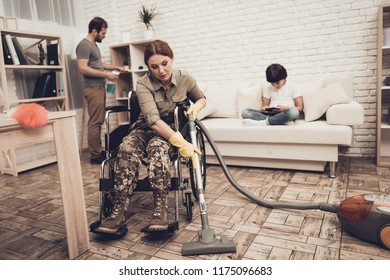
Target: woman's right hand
(186, 149)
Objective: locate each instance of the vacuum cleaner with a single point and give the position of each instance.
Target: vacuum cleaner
(366, 216)
(207, 243)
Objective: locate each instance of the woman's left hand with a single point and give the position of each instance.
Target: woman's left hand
(196, 108)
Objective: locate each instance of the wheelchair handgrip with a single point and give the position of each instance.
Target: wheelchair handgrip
(117, 108)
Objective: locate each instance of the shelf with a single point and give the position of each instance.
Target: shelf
(141, 42)
(122, 99)
(34, 100)
(140, 71)
(384, 161)
(36, 163)
(385, 125)
(30, 35)
(34, 67)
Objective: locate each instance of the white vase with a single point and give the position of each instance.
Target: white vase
(148, 34)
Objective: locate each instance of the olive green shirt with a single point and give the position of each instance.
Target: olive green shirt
(87, 50)
(155, 101)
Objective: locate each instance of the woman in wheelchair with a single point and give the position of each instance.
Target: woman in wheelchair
(158, 93)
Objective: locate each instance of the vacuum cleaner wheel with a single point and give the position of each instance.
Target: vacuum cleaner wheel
(384, 235)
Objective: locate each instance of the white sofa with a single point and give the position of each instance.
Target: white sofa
(309, 144)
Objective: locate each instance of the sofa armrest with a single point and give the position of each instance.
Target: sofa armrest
(351, 113)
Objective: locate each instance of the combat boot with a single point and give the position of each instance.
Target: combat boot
(160, 216)
(118, 215)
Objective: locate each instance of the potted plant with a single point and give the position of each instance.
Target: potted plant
(146, 16)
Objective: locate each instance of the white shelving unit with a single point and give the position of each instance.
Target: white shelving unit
(383, 90)
(25, 75)
(131, 54)
(29, 42)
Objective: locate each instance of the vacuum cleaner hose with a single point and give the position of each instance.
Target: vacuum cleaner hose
(269, 204)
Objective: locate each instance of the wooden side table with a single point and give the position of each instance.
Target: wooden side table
(62, 128)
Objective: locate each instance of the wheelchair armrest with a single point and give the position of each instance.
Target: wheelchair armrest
(117, 108)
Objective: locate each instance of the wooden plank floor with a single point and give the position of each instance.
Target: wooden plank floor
(32, 222)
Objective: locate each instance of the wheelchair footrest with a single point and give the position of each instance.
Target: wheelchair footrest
(172, 227)
(118, 234)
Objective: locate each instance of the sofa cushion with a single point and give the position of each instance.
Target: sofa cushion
(315, 105)
(249, 97)
(224, 97)
(309, 87)
(319, 132)
(351, 113)
(209, 109)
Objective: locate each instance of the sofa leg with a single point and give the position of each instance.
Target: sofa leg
(332, 169)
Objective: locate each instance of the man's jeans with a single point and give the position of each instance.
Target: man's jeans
(284, 117)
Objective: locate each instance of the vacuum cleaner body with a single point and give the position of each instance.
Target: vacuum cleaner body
(367, 217)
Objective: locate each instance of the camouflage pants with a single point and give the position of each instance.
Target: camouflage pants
(141, 142)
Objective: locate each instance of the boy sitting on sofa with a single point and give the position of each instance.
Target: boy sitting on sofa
(282, 101)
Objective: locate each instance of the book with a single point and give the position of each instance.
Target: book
(42, 86)
(6, 53)
(19, 51)
(12, 50)
(52, 54)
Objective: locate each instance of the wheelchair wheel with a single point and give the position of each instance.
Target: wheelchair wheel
(188, 204)
(107, 204)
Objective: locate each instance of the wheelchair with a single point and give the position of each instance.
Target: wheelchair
(180, 182)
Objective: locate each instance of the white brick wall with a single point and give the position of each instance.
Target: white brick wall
(237, 40)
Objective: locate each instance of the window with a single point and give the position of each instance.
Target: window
(44, 10)
(59, 11)
(18, 8)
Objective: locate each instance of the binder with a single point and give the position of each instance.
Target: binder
(52, 54)
(19, 51)
(42, 86)
(51, 90)
(6, 53)
(12, 50)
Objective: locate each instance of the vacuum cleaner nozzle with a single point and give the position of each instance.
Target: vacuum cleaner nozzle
(208, 244)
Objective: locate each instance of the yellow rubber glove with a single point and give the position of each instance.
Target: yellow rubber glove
(196, 108)
(186, 149)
